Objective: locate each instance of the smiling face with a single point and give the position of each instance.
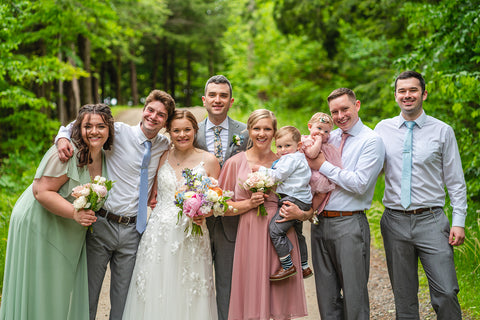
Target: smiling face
(182, 134)
(217, 101)
(154, 117)
(409, 96)
(261, 133)
(344, 111)
(94, 131)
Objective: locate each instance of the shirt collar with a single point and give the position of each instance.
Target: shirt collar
(224, 125)
(356, 129)
(140, 136)
(420, 121)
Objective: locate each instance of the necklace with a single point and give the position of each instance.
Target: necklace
(177, 159)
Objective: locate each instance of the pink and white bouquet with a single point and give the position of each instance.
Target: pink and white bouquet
(198, 197)
(92, 195)
(260, 181)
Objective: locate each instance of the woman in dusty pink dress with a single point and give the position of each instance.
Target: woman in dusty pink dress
(253, 296)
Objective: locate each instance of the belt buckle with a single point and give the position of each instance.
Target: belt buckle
(120, 218)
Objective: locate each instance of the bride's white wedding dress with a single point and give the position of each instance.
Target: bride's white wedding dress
(173, 277)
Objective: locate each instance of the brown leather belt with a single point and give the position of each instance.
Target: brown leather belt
(333, 214)
(416, 211)
(115, 217)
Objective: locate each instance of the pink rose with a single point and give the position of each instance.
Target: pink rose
(191, 205)
(81, 190)
(253, 181)
(100, 190)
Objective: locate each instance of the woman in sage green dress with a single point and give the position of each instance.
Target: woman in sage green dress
(45, 266)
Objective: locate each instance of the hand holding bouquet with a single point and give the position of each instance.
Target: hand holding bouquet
(91, 195)
(260, 181)
(199, 196)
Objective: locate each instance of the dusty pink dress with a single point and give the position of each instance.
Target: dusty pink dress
(253, 296)
(318, 182)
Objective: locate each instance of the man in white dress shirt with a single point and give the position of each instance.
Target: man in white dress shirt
(341, 239)
(113, 237)
(223, 230)
(414, 224)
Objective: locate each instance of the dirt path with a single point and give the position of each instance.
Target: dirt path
(380, 293)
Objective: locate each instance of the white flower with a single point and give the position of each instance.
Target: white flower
(212, 196)
(80, 203)
(218, 209)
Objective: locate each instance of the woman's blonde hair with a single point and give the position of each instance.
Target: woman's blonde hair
(258, 115)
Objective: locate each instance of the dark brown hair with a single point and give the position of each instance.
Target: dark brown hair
(104, 111)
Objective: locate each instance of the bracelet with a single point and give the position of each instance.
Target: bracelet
(304, 218)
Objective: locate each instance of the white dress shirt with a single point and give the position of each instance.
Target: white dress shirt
(362, 159)
(293, 173)
(436, 163)
(123, 166)
(209, 136)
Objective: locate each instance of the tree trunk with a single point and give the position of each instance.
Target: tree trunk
(118, 80)
(155, 63)
(171, 71)
(84, 50)
(73, 99)
(188, 97)
(133, 80)
(61, 109)
(95, 90)
(165, 65)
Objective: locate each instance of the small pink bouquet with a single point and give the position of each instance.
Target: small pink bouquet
(91, 195)
(198, 197)
(260, 181)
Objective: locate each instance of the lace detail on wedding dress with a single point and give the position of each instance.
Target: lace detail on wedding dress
(165, 245)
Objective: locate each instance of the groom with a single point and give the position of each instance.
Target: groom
(215, 129)
(114, 236)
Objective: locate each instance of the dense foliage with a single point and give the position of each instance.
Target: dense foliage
(287, 55)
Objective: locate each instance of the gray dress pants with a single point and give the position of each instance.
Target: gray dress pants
(409, 237)
(115, 243)
(341, 261)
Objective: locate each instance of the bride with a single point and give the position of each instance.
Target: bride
(173, 278)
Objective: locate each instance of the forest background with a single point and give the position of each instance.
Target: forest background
(284, 55)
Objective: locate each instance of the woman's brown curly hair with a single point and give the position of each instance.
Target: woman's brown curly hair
(104, 111)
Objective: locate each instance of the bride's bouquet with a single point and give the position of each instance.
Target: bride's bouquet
(260, 181)
(198, 196)
(92, 195)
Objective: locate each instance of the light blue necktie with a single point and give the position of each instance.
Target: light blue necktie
(407, 166)
(143, 197)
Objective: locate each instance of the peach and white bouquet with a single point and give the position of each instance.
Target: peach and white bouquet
(260, 181)
(199, 196)
(92, 195)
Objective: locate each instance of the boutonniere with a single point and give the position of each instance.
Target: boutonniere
(237, 140)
